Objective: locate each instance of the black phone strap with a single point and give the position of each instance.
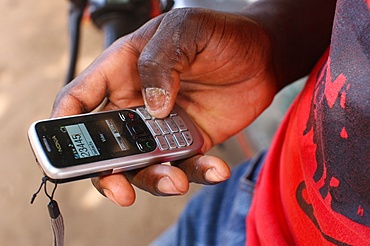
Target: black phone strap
(56, 218)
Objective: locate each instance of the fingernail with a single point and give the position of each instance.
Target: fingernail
(109, 195)
(213, 176)
(155, 98)
(166, 186)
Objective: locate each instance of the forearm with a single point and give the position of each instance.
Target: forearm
(299, 32)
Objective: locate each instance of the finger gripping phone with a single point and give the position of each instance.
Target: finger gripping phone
(87, 145)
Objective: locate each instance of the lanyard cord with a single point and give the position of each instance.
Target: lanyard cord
(56, 219)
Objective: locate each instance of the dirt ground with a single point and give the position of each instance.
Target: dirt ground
(33, 62)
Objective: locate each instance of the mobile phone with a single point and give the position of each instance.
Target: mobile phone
(87, 145)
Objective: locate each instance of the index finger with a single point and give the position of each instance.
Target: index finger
(105, 77)
(113, 75)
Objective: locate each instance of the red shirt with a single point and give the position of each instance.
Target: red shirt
(314, 188)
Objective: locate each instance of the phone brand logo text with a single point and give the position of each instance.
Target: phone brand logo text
(57, 144)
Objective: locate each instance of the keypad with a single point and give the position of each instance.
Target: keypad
(169, 133)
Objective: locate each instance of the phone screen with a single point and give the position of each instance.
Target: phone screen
(84, 139)
(83, 144)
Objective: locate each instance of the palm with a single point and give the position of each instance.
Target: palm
(217, 113)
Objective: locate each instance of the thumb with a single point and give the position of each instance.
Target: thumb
(159, 77)
(166, 55)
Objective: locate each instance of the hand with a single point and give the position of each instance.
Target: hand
(216, 66)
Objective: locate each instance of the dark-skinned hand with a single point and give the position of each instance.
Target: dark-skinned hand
(217, 66)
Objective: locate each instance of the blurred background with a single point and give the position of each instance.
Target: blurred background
(34, 58)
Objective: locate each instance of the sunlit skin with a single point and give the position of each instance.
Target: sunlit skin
(221, 68)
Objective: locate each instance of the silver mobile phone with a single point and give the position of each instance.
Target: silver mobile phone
(87, 145)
